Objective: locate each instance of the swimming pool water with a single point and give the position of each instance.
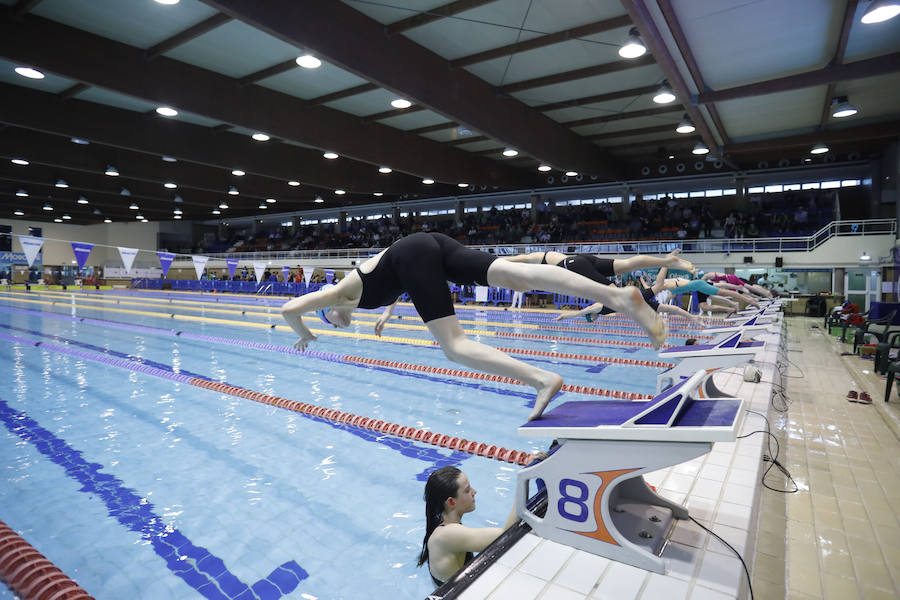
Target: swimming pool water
(144, 487)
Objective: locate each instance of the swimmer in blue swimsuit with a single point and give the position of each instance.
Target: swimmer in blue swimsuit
(678, 285)
(421, 264)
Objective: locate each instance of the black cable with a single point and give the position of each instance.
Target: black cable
(772, 457)
(736, 553)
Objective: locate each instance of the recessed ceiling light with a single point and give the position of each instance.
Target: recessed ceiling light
(330, 155)
(238, 173)
(428, 181)
(223, 205)
(671, 156)
(144, 221)
(82, 200)
(270, 200)
(543, 168)
(807, 159)
(61, 183)
(167, 111)
(19, 161)
(47, 207)
(319, 200)
(177, 211)
(378, 194)
(124, 192)
(400, 103)
(571, 173)
(881, 10)
(29, 73)
(294, 183)
(216, 211)
(178, 198)
(169, 159)
(18, 213)
(66, 217)
(107, 220)
(80, 141)
(168, 2)
(111, 171)
(170, 185)
(819, 149)
(462, 185)
(260, 137)
(700, 148)
(133, 206)
(633, 47)
(308, 61)
(384, 170)
(97, 211)
(22, 194)
(664, 95)
(510, 152)
(233, 191)
(340, 192)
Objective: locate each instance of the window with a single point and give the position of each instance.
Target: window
(756, 190)
(791, 187)
(827, 185)
(287, 223)
(646, 197)
(773, 188)
(810, 186)
(613, 200)
(471, 209)
(310, 222)
(680, 194)
(404, 214)
(713, 193)
(697, 194)
(849, 182)
(729, 192)
(332, 220)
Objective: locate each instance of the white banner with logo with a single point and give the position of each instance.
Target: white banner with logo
(127, 255)
(199, 264)
(30, 246)
(307, 273)
(258, 269)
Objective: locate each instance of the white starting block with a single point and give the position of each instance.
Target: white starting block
(597, 499)
(773, 313)
(726, 351)
(755, 323)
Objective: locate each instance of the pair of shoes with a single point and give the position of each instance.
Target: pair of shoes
(862, 398)
(852, 395)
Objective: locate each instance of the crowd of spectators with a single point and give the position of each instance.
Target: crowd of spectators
(665, 217)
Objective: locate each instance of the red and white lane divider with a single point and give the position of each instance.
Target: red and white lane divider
(30, 575)
(589, 357)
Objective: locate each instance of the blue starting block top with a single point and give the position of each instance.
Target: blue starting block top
(674, 416)
(729, 345)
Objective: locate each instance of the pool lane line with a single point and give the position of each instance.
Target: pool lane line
(30, 574)
(372, 316)
(330, 357)
(429, 343)
(195, 565)
(309, 410)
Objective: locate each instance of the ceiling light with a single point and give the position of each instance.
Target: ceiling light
(330, 155)
(633, 46)
(178, 199)
(82, 200)
(700, 148)
(263, 205)
(686, 126)
(340, 192)
(878, 11)
(238, 173)
(61, 183)
(428, 181)
(400, 103)
(19, 161)
(294, 183)
(841, 108)
(57, 220)
(216, 211)
(22, 194)
(865, 256)
(80, 141)
(169, 159)
(133, 206)
(384, 170)
(177, 211)
(819, 148)
(319, 200)
(48, 207)
(571, 173)
(544, 168)
(308, 61)
(66, 217)
(167, 111)
(96, 211)
(170, 185)
(177, 217)
(223, 205)
(111, 171)
(18, 213)
(233, 191)
(168, 2)
(462, 185)
(260, 137)
(671, 156)
(378, 194)
(270, 200)
(29, 73)
(664, 95)
(107, 220)
(139, 216)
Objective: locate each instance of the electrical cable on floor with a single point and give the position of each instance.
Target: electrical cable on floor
(736, 553)
(772, 457)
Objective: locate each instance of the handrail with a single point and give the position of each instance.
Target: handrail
(706, 245)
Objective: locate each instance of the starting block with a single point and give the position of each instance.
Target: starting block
(726, 351)
(755, 323)
(597, 499)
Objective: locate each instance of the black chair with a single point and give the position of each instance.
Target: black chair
(893, 369)
(816, 307)
(845, 324)
(883, 326)
(883, 351)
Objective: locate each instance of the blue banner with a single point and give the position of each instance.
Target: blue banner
(232, 264)
(165, 260)
(82, 250)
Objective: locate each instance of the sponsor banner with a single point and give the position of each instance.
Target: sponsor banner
(307, 274)
(258, 269)
(165, 259)
(16, 258)
(199, 264)
(31, 246)
(286, 272)
(232, 264)
(82, 250)
(128, 255)
(329, 276)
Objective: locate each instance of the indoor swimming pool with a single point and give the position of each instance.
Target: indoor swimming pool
(126, 465)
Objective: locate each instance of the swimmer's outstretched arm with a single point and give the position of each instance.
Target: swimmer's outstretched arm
(594, 308)
(385, 315)
(292, 309)
(671, 308)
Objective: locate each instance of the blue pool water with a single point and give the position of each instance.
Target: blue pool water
(141, 486)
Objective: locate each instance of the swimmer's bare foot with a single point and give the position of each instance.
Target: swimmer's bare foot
(673, 262)
(545, 394)
(658, 333)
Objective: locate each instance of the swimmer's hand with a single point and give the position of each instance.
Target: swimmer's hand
(379, 324)
(536, 456)
(568, 314)
(304, 341)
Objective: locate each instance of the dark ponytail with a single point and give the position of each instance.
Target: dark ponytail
(441, 484)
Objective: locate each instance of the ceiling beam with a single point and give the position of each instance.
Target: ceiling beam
(889, 129)
(649, 112)
(629, 93)
(22, 7)
(435, 14)
(359, 89)
(159, 136)
(652, 37)
(543, 41)
(437, 127)
(597, 70)
(871, 67)
(282, 67)
(631, 132)
(122, 68)
(354, 42)
(838, 58)
(193, 32)
(73, 91)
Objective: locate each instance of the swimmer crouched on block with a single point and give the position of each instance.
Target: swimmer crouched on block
(421, 264)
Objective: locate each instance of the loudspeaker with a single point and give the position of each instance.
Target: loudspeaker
(779, 261)
(748, 259)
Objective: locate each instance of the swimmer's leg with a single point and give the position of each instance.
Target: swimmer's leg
(643, 261)
(461, 349)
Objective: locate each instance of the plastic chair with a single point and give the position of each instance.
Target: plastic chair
(893, 368)
(859, 334)
(883, 351)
